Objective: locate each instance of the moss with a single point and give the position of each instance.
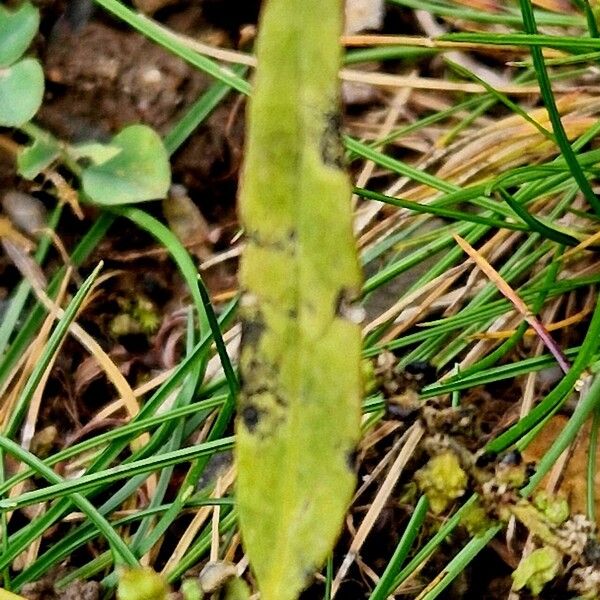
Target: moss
(554, 509)
(476, 520)
(139, 316)
(537, 569)
(443, 480)
(141, 584)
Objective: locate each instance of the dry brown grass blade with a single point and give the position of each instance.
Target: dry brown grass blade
(513, 297)
(64, 192)
(33, 353)
(592, 240)
(113, 373)
(369, 210)
(407, 300)
(427, 42)
(485, 151)
(389, 80)
(7, 231)
(384, 462)
(226, 481)
(416, 433)
(216, 519)
(555, 326)
(35, 350)
(426, 303)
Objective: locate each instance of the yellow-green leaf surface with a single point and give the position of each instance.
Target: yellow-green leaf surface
(299, 408)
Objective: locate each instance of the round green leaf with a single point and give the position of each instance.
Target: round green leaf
(139, 172)
(21, 92)
(17, 30)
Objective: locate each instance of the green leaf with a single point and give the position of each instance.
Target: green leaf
(21, 92)
(537, 569)
(17, 30)
(299, 409)
(32, 160)
(139, 172)
(96, 152)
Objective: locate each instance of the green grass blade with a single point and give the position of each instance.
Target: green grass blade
(550, 103)
(122, 553)
(54, 342)
(385, 587)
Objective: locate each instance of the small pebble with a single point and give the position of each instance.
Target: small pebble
(25, 212)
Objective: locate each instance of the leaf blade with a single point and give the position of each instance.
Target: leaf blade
(17, 30)
(21, 92)
(299, 410)
(138, 173)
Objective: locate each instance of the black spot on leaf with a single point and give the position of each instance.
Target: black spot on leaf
(332, 152)
(286, 243)
(251, 417)
(252, 330)
(351, 460)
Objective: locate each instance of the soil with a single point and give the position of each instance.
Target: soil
(45, 589)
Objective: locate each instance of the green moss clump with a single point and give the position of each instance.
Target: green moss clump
(139, 316)
(141, 584)
(443, 480)
(476, 520)
(555, 509)
(537, 569)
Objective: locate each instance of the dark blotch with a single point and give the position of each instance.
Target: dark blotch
(251, 417)
(484, 460)
(252, 331)
(332, 152)
(285, 244)
(421, 371)
(351, 460)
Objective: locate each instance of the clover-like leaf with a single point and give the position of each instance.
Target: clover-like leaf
(95, 151)
(139, 172)
(17, 30)
(32, 160)
(21, 92)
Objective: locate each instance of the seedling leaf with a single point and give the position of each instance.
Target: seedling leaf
(32, 160)
(96, 152)
(139, 172)
(299, 409)
(17, 30)
(21, 92)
